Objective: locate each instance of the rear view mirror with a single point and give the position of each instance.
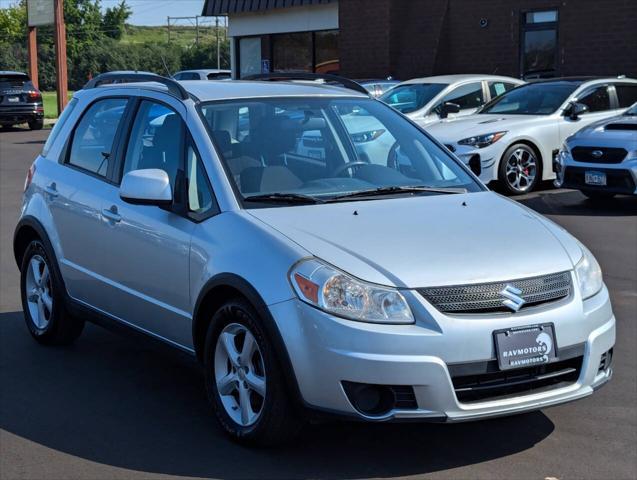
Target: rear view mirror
(146, 187)
(447, 108)
(574, 110)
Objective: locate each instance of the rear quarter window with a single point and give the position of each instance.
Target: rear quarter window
(59, 126)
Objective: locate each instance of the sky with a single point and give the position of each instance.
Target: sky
(154, 12)
(149, 12)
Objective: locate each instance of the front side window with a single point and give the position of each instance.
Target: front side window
(200, 198)
(596, 100)
(94, 135)
(155, 140)
(531, 99)
(408, 98)
(469, 96)
(323, 148)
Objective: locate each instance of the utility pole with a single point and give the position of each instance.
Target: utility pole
(218, 52)
(197, 29)
(168, 20)
(60, 55)
(32, 47)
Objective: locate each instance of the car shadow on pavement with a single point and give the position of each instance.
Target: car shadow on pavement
(573, 202)
(133, 403)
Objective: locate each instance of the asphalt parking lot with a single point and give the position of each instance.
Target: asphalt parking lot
(114, 406)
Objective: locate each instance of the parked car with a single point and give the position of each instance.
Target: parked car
(600, 160)
(427, 100)
(514, 138)
(377, 87)
(305, 284)
(203, 74)
(20, 101)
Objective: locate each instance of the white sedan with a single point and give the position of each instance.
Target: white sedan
(514, 138)
(427, 100)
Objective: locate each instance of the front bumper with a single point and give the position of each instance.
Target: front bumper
(483, 162)
(621, 177)
(326, 351)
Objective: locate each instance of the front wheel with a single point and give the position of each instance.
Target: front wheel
(519, 169)
(245, 385)
(42, 295)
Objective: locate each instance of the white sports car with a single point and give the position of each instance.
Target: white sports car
(514, 138)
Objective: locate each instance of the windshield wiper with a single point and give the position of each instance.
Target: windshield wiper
(398, 190)
(283, 198)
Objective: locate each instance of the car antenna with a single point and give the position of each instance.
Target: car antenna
(170, 75)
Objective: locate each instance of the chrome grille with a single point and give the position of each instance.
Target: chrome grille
(486, 297)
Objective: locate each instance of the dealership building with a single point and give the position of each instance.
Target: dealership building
(412, 38)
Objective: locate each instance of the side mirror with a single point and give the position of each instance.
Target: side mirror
(574, 110)
(146, 187)
(447, 108)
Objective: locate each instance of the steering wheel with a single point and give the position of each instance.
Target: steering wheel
(392, 156)
(343, 168)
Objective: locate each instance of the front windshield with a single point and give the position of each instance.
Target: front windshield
(412, 96)
(632, 111)
(322, 148)
(531, 99)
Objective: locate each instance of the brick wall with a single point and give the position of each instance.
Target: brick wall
(409, 38)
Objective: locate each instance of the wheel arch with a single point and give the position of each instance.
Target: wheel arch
(27, 230)
(529, 143)
(214, 294)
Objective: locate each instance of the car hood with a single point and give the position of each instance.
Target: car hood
(430, 240)
(454, 129)
(621, 128)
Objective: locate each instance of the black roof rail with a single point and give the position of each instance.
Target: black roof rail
(326, 77)
(135, 77)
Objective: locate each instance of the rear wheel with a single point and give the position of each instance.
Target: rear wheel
(244, 381)
(519, 169)
(598, 195)
(45, 314)
(36, 124)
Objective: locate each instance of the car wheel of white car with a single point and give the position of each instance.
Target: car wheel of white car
(519, 169)
(244, 381)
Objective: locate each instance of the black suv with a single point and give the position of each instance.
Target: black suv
(20, 101)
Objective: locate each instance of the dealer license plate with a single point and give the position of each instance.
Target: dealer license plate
(595, 178)
(525, 346)
(13, 99)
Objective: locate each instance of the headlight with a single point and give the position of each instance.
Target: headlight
(589, 274)
(364, 137)
(341, 294)
(482, 141)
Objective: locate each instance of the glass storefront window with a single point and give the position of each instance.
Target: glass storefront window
(249, 56)
(292, 52)
(326, 48)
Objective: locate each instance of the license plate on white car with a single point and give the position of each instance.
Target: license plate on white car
(595, 178)
(525, 346)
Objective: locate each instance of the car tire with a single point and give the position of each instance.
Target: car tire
(595, 195)
(520, 169)
(270, 419)
(43, 301)
(36, 124)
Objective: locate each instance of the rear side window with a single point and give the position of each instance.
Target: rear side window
(596, 100)
(59, 125)
(467, 96)
(498, 88)
(94, 135)
(626, 95)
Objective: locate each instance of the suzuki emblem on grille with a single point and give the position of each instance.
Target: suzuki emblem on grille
(513, 299)
(597, 153)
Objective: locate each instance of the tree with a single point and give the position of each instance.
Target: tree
(114, 20)
(13, 22)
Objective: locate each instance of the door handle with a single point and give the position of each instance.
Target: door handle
(111, 214)
(51, 190)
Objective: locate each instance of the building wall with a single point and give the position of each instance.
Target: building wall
(409, 38)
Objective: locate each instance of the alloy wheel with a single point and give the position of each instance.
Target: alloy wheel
(240, 374)
(521, 169)
(39, 292)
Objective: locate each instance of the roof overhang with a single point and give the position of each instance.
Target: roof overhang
(226, 7)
